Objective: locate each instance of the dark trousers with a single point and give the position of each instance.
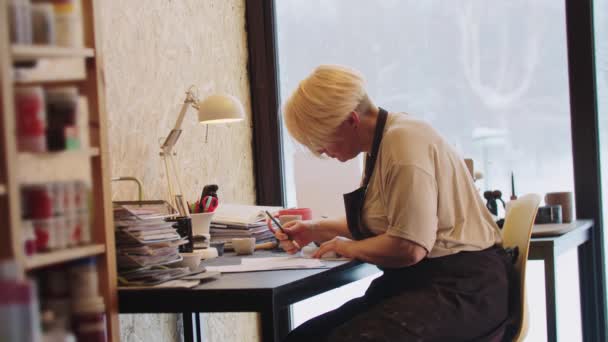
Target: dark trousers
(461, 297)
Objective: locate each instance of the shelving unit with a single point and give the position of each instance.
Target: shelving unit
(33, 52)
(61, 256)
(81, 67)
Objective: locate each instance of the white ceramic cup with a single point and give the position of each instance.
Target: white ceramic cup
(243, 246)
(191, 260)
(200, 223)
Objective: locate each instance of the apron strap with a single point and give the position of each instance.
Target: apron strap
(370, 159)
(353, 202)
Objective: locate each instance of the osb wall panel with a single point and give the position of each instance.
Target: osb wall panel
(153, 51)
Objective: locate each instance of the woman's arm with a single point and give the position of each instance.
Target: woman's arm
(327, 229)
(382, 250)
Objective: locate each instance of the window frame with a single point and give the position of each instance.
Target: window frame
(268, 153)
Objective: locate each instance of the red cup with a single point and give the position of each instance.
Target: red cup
(306, 213)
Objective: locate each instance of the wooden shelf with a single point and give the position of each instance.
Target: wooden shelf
(54, 166)
(32, 52)
(55, 66)
(84, 152)
(2, 189)
(65, 255)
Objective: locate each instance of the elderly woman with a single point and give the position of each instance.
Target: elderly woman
(417, 216)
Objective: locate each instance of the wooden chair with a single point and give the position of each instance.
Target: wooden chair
(516, 233)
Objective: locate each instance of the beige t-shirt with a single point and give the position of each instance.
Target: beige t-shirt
(421, 190)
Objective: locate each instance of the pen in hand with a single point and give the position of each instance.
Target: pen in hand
(278, 224)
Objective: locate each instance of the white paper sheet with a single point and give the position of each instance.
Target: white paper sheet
(269, 264)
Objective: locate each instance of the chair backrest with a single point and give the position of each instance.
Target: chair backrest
(516, 232)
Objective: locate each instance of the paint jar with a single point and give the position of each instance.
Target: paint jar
(44, 230)
(89, 319)
(37, 200)
(81, 196)
(60, 231)
(69, 199)
(84, 223)
(84, 282)
(58, 195)
(29, 237)
(30, 109)
(72, 230)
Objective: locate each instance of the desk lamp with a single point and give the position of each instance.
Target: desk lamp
(212, 110)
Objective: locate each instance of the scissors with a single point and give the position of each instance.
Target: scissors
(209, 204)
(278, 224)
(209, 201)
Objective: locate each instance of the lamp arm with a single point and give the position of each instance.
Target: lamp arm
(173, 136)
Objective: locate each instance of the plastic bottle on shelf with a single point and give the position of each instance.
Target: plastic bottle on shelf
(18, 301)
(29, 237)
(21, 21)
(43, 23)
(68, 23)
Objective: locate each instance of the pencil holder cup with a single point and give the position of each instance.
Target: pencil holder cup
(200, 224)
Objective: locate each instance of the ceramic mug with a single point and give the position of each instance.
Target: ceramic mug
(243, 246)
(565, 200)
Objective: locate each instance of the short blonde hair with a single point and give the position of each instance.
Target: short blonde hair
(322, 102)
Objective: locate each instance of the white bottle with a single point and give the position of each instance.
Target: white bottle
(68, 23)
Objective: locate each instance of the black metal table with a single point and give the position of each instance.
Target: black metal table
(547, 248)
(270, 293)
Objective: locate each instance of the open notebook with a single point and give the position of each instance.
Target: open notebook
(241, 214)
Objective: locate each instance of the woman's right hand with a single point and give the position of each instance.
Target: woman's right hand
(300, 232)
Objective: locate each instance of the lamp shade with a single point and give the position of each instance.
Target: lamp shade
(220, 109)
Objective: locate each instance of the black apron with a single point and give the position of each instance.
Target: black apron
(353, 201)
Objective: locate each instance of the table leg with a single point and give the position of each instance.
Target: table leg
(188, 328)
(197, 327)
(550, 296)
(283, 321)
(267, 316)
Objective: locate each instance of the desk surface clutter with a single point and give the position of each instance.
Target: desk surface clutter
(555, 229)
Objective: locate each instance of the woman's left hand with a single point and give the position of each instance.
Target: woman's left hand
(340, 245)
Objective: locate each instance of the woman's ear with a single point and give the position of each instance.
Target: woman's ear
(354, 119)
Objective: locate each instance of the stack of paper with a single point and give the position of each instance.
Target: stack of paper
(240, 221)
(144, 238)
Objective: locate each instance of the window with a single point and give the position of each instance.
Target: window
(600, 11)
(491, 76)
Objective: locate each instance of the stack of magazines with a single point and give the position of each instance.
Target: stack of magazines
(232, 221)
(145, 243)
